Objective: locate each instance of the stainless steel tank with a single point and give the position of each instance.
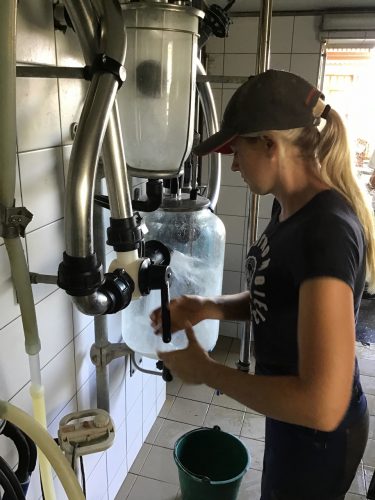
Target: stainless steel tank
(156, 103)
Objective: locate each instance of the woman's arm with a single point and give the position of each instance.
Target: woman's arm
(318, 397)
(194, 308)
(234, 307)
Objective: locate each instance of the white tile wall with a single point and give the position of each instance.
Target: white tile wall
(280, 61)
(72, 97)
(68, 49)
(83, 366)
(38, 120)
(215, 64)
(35, 34)
(243, 36)
(239, 64)
(231, 282)
(235, 227)
(215, 45)
(305, 35)
(232, 201)
(233, 257)
(282, 35)
(49, 237)
(42, 177)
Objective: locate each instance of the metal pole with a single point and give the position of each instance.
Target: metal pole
(100, 322)
(263, 59)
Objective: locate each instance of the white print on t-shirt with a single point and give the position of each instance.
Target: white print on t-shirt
(256, 280)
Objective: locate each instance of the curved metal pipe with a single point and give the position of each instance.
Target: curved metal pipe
(143, 370)
(83, 164)
(210, 116)
(112, 34)
(115, 169)
(85, 19)
(98, 125)
(93, 304)
(86, 24)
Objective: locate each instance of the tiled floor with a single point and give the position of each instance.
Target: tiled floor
(154, 473)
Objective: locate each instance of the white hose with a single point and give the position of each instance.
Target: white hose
(17, 259)
(48, 446)
(21, 282)
(39, 410)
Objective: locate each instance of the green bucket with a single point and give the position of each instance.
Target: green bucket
(211, 464)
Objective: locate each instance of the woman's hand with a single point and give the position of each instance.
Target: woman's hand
(188, 364)
(185, 308)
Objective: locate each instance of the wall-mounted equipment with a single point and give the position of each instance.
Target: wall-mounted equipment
(196, 239)
(157, 103)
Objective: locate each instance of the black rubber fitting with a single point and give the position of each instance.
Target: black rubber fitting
(80, 276)
(118, 287)
(125, 234)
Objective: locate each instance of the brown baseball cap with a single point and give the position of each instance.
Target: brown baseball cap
(273, 100)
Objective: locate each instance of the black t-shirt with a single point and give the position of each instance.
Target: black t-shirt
(323, 238)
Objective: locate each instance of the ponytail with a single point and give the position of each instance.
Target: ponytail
(330, 149)
(337, 171)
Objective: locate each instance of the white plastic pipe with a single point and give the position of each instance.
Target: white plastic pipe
(17, 260)
(131, 263)
(48, 446)
(8, 10)
(40, 415)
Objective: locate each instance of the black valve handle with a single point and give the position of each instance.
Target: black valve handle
(157, 277)
(165, 312)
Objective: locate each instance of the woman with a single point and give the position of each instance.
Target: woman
(306, 275)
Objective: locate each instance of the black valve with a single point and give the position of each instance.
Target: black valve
(166, 375)
(157, 252)
(154, 197)
(119, 287)
(157, 277)
(216, 22)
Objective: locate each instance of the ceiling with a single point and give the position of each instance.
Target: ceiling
(297, 5)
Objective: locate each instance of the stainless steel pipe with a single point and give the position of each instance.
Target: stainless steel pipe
(83, 164)
(210, 116)
(263, 60)
(98, 126)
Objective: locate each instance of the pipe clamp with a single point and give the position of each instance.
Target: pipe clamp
(105, 64)
(13, 221)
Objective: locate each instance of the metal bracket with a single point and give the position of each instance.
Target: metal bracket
(49, 279)
(137, 367)
(102, 356)
(13, 221)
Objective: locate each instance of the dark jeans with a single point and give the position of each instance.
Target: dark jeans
(305, 464)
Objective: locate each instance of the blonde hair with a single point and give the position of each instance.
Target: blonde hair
(330, 147)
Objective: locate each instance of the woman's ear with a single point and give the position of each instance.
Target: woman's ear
(270, 144)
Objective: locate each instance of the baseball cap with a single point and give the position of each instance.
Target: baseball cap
(273, 100)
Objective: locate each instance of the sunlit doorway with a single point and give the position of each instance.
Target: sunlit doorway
(348, 84)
